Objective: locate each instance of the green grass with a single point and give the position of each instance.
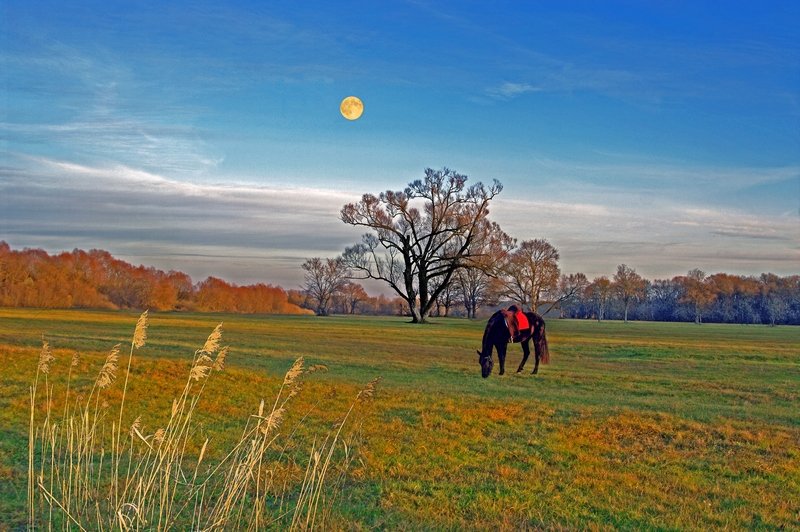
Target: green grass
(638, 425)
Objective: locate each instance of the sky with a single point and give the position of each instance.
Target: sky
(206, 137)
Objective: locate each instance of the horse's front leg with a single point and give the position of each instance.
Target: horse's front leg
(501, 357)
(526, 352)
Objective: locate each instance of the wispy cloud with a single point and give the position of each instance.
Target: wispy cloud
(511, 90)
(266, 231)
(635, 174)
(660, 238)
(249, 232)
(96, 108)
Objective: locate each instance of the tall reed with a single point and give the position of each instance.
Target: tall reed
(88, 470)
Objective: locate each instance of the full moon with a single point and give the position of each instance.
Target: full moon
(351, 108)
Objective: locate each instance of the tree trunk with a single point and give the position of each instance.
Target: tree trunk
(416, 315)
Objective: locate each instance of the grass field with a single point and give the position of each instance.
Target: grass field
(638, 425)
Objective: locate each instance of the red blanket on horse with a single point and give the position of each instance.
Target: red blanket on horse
(517, 322)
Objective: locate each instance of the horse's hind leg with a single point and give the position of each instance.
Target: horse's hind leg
(526, 351)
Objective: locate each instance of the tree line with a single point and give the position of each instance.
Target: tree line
(696, 296)
(435, 247)
(95, 279)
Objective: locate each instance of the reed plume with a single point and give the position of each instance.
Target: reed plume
(108, 373)
(212, 343)
(45, 358)
(219, 362)
(140, 332)
(295, 371)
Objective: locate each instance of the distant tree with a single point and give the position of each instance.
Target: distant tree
(663, 299)
(736, 298)
(215, 295)
(419, 237)
(446, 299)
(476, 288)
(352, 294)
(775, 294)
(600, 291)
(529, 272)
(299, 298)
(477, 284)
(184, 290)
(569, 290)
(629, 286)
(697, 292)
(323, 278)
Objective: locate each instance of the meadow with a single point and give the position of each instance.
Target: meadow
(637, 425)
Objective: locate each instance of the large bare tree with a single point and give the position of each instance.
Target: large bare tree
(421, 236)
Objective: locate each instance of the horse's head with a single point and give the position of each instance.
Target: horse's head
(486, 363)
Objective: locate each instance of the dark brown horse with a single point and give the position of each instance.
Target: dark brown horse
(497, 336)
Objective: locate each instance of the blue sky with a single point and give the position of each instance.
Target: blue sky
(207, 138)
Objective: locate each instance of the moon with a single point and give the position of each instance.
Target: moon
(351, 108)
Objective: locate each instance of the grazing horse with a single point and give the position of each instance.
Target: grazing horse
(498, 334)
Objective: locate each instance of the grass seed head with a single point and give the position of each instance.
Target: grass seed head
(212, 343)
(369, 390)
(199, 372)
(272, 422)
(45, 358)
(137, 426)
(202, 452)
(219, 363)
(294, 372)
(140, 333)
(108, 373)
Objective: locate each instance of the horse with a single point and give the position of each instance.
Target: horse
(497, 336)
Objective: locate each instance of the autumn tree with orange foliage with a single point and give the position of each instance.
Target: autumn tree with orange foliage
(95, 279)
(697, 291)
(629, 286)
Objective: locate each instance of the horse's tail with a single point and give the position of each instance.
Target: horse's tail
(540, 341)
